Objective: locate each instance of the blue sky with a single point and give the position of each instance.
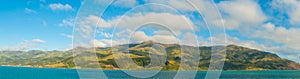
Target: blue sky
(33, 19)
(270, 25)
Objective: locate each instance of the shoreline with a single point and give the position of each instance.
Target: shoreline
(126, 70)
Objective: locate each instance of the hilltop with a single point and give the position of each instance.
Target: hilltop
(237, 58)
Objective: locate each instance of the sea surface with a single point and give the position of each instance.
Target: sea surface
(53, 73)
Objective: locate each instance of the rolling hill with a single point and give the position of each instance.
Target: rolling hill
(237, 57)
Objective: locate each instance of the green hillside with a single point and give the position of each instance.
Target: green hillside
(237, 58)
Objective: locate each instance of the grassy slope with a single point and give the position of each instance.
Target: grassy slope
(238, 58)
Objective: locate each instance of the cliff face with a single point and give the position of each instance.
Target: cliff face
(237, 57)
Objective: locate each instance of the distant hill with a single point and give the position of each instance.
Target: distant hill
(237, 57)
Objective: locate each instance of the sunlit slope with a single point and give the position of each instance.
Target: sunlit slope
(237, 57)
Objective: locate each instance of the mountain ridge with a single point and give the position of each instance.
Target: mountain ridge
(237, 57)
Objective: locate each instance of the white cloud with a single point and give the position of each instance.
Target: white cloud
(125, 3)
(176, 23)
(219, 39)
(59, 6)
(98, 43)
(290, 7)
(105, 34)
(24, 45)
(38, 41)
(119, 3)
(282, 51)
(137, 37)
(29, 11)
(140, 36)
(67, 22)
(181, 5)
(241, 14)
(87, 25)
(193, 40)
(94, 21)
(67, 35)
(206, 9)
(230, 40)
(166, 39)
(126, 24)
(289, 37)
(108, 42)
(237, 14)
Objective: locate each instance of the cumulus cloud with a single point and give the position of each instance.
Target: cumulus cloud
(128, 23)
(176, 23)
(108, 42)
(290, 7)
(38, 41)
(206, 9)
(94, 21)
(140, 36)
(239, 14)
(98, 43)
(192, 39)
(179, 21)
(24, 45)
(230, 40)
(59, 6)
(87, 25)
(279, 34)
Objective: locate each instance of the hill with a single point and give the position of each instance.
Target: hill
(237, 57)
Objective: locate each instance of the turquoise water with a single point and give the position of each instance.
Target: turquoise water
(48, 73)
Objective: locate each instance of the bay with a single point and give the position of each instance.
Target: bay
(7, 72)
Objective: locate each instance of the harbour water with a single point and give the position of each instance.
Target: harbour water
(53, 73)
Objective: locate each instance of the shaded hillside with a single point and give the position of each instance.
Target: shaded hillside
(238, 58)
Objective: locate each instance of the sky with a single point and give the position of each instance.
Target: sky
(269, 25)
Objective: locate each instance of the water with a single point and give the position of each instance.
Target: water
(48, 73)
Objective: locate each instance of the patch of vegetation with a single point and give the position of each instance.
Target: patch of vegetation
(237, 57)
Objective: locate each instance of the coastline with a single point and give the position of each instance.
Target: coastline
(16, 66)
